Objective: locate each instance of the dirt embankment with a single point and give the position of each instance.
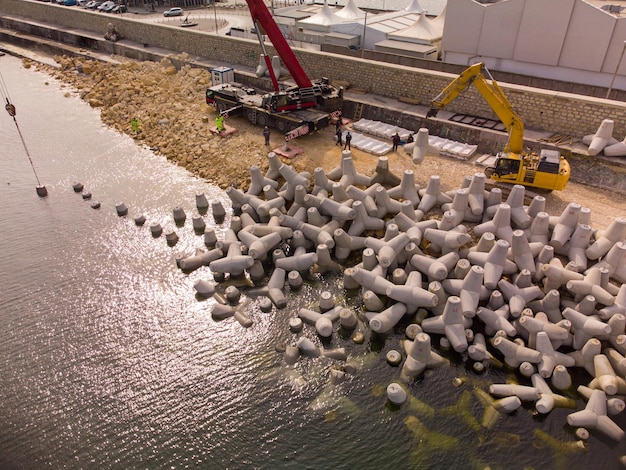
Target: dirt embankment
(174, 119)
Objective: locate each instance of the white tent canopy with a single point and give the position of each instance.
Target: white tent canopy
(325, 18)
(439, 21)
(351, 11)
(414, 7)
(420, 32)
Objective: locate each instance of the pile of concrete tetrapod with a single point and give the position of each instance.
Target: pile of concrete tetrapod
(496, 280)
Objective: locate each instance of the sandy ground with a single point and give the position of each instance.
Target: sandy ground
(175, 121)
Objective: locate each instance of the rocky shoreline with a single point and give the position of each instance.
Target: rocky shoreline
(174, 121)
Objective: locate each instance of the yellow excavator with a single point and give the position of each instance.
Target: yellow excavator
(547, 170)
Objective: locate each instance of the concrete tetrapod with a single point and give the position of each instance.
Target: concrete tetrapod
(515, 354)
(407, 189)
(496, 320)
(614, 406)
(549, 357)
(179, 216)
(494, 408)
(387, 251)
(602, 137)
(451, 323)
(584, 327)
(521, 252)
(618, 307)
(384, 321)
(523, 392)
(495, 276)
(396, 394)
(614, 233)
(323, 321)
(470, 290)
(558, 333)
(615, 150)
(578, 244)
(548, 399)
(420, 356)
(500, 225)
(421, 146)
(494, 263)
(539, 230)
(594, 416)
(614, 262)
(432, 195)
(565, 225)
(191, 263)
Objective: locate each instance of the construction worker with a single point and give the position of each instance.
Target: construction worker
(219, 123)
(339, 122)
(395, 140)
(266, 134)
(348, 140)
(135, 125)
(339, 136)
(410, 139)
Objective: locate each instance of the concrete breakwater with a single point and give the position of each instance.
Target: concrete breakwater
(492, 280)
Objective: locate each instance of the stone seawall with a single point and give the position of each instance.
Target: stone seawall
(557, 112)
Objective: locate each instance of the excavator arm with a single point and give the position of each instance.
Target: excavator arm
(261, 16)
(493, 95)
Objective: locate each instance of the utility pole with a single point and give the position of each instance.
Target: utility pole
(215, 14)
(619, 62)
(364, 28)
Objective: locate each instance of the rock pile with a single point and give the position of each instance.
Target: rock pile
(170, 108)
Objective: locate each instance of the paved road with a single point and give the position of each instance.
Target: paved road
(207, 18)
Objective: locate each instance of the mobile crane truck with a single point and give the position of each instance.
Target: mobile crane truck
(294, 111)
(547, 170)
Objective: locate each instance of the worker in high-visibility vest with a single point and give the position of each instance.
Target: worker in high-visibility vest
(134, 123)
(219, 123)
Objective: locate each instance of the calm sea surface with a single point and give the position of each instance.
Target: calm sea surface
(108, 359)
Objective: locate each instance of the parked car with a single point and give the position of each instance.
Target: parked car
(173, 12)
(119, 9)
(69, 3)
(93, 4)
(106, 7)
(83, 3)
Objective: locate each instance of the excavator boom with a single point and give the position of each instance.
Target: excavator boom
(493, 95)
(261, 15)
(547, 170)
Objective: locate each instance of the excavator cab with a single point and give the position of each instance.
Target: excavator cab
(548, 170)
(507, 166)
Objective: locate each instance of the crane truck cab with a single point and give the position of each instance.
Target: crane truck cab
(548, 170)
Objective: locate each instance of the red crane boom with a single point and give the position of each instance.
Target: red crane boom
(262, 15)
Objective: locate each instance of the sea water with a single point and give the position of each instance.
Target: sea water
(108, 359)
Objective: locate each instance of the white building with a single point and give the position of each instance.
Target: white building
(570, 40)
(408, 31)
